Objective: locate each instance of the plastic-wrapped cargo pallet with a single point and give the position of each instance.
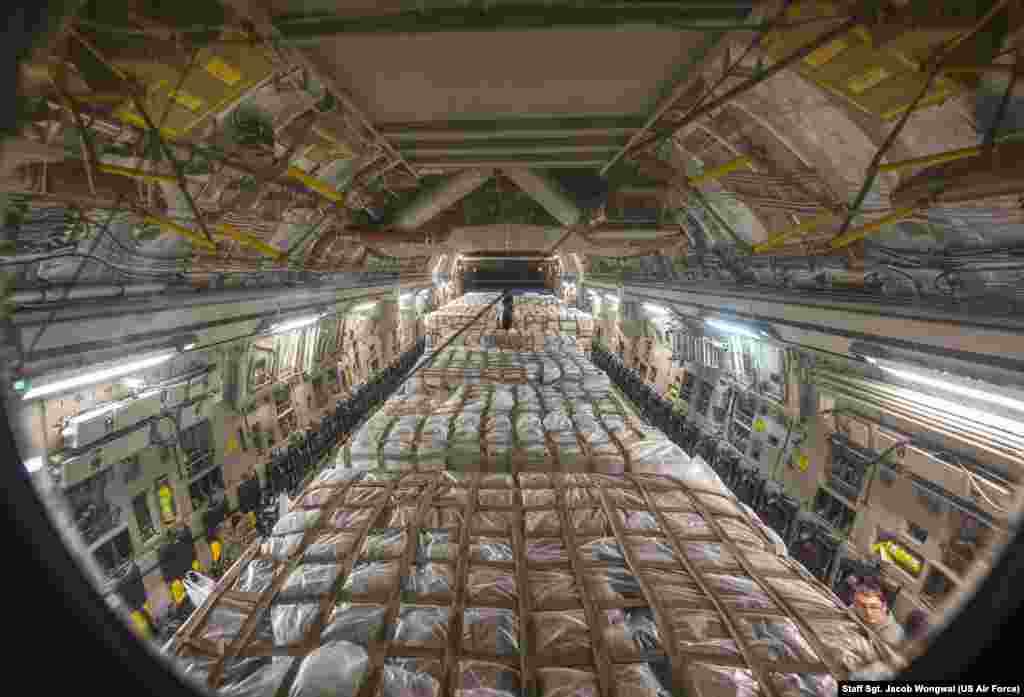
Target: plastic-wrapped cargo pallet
(512, 411)
(449, 583)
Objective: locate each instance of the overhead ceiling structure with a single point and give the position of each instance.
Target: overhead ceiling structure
(256, 142)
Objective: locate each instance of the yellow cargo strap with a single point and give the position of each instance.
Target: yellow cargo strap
(719, 172)
(777, 240)
(251, 241)
(860, 233)
(316, 185)
(137, 174)
(927, 161)
(192, 236)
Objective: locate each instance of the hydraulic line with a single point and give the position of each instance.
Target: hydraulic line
(79, 255)
(24, 356)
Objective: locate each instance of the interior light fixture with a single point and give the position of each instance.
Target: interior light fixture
(34, 464)
(96, 376)
(734, 329)
(989, 397)
(91, 414)
(133, 383)
(190, 346)
(292, 324)
(105, 409)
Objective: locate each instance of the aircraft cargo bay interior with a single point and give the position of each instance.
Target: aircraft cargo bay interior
(541, 349)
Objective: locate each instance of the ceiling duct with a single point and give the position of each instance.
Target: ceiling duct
(547, 193)
(428, 206)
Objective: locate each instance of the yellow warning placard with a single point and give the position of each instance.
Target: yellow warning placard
(760, 425)
(232, 447)
(803, 462)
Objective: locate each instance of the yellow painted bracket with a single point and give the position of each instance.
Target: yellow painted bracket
(852, 236)
(248, 240)
(137, 174)
(721, 171)
(316, 185)
(929, 160)
(192, 236)
(777, 240)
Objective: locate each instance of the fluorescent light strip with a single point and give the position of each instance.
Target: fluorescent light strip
(735, 329)
(656, 309)
(111, 406)
(1007, 402)
(93, 413)
(987, 419)
(98, 376)
(364, 306)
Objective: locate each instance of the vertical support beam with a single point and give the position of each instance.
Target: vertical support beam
(990, 137)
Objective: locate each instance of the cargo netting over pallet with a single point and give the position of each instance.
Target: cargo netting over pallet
(504, 526)
(446, 583)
